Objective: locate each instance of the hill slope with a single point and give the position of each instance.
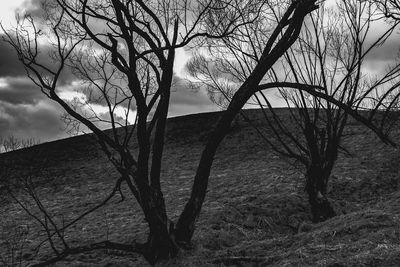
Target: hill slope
(255, 213)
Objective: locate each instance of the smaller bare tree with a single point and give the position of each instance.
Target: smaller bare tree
(330, 55)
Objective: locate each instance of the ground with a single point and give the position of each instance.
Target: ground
(255, 213)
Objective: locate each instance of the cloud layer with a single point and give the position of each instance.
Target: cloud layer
(25, 112)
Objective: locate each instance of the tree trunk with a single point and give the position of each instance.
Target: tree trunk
(288, 29)
(316, 187)
(161, 243)
(186, 223)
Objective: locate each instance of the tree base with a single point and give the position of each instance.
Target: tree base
(321, 209)
(160, 247)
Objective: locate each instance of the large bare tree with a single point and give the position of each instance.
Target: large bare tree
(123, 54)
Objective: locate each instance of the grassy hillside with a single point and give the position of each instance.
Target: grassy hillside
(256, 212)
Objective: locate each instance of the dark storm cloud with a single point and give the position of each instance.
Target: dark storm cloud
(12, 67)
(25, 111)
(9, 64)
(40, 121)
(15, 86)
(20, 90)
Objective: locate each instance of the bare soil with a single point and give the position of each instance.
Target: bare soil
(255, 214)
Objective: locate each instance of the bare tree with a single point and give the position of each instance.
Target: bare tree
(330, 54)
(123, 53)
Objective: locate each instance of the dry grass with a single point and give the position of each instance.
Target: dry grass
(255, 213)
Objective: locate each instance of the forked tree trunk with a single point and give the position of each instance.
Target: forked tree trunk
(160, 243)
(316, 187)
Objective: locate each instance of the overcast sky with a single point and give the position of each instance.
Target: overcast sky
(26, 113)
